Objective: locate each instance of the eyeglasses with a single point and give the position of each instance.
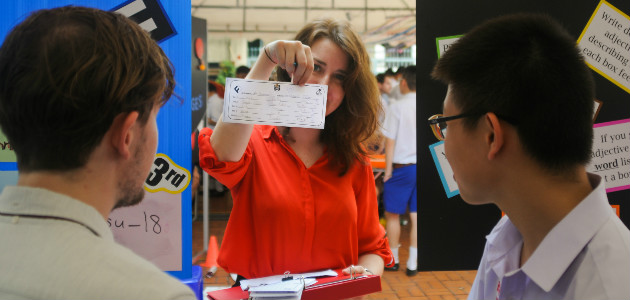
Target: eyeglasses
(438, 123)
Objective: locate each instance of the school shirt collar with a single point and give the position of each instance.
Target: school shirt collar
(410, 95)
(37, 202)
(561, 245)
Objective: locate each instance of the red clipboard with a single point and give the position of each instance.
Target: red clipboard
(235, 293)
(331, 288)
(342, 287)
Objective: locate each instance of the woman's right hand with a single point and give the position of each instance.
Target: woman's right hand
(229, 140)
(293, 56)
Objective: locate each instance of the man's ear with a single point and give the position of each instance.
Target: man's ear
(122, 133)
(494, 136)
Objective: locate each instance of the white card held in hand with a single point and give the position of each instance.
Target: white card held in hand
(274, 103)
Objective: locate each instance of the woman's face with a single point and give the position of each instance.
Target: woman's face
(330, 68)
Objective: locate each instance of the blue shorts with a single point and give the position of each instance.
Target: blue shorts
(401, 191)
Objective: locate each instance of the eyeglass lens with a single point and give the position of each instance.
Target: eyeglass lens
(439, 129)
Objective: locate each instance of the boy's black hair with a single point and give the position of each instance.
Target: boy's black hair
(528, 68)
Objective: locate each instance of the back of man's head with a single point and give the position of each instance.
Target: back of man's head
(380, 78)
(399, 71)
(409, 75)
(528, 70)
(242, 70)
(66, 73)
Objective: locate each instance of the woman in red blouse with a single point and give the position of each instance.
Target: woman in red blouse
(304, 199)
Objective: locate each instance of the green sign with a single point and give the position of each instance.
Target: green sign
(6, 151)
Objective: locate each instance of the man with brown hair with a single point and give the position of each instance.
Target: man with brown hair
(80, 90)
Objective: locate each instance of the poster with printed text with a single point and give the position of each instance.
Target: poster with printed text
(611, 154)
(443, 43)
(605, 44)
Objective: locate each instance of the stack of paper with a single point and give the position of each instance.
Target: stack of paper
(332, 288)
(249, 283)
(286, 290)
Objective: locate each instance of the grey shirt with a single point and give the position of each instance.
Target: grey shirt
(56, 247)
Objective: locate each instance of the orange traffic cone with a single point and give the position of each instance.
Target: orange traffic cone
(211, 257)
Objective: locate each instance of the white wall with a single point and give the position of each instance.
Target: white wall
(227, 48)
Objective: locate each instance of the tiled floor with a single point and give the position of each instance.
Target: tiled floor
(395, 285)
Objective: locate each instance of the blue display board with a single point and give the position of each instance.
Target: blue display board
(165, 230)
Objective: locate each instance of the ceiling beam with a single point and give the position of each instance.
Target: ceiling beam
(244, 15)
(366, 16)
(227, 30)
(302, 8)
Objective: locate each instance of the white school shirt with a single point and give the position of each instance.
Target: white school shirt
(71, 253)
(214, 108)
(385, 105)
(585, 256)
(395, 93)
(400, 125)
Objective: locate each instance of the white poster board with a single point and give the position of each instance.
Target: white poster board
(605, 44)
(611, 154)
(153, 228)
(444, 169)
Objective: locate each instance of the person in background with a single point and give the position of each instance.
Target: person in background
(395, 93)
(377, 145)
(399, 73)
(214, 104)
(390, 75)
(384, 87)
(519, 111)
(214, 109)
(79, 109)
(304, 199)
(400, 184)
(242, 71)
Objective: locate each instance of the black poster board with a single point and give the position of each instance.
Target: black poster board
(199, 82)
(451, 233)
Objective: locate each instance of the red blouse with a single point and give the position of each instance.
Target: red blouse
(287, 217)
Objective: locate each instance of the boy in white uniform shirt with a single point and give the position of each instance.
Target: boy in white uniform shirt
(400, 186)
(519, 111)
(214, 105)
(396, 93)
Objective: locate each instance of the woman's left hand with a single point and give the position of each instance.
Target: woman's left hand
(356, 270)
